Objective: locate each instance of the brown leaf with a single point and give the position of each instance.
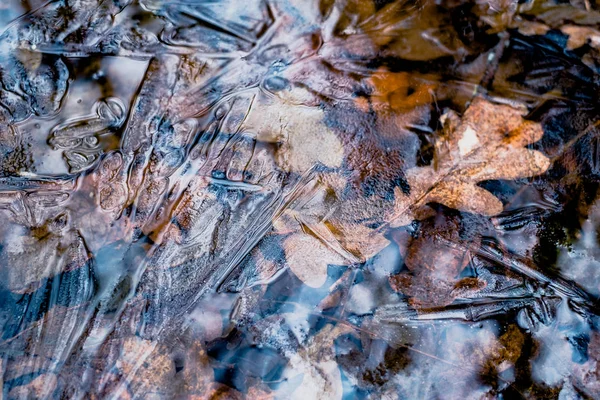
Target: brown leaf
(531, 28)
(399, 91)
(435, 259)
(498, 14)
(417, 36)
(41, 252)
(556, 14)
(305, 139)
(308, 258)
(321, 232)
(580, 35)
(487, 143)
(359, 240)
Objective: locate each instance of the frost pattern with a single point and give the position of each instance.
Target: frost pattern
(299, 199)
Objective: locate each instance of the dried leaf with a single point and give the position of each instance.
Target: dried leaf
(435, 259)
(555, 14)
(308, 258)
(324, 230)
(305, 139)
(580, 35)
(399, 91)
(419, 36)
(53, 248)
(498, 14)
(487, 143)
(359, 240)
(531, 28)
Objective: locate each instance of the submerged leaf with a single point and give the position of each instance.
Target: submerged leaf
(308, 258)
(304, 137)
(487, 143)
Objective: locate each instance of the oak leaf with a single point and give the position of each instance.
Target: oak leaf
(487, 143)
(580, 35)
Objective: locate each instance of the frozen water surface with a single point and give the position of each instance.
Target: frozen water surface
(329, 199)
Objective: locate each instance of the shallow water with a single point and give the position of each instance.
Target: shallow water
(299, 199)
